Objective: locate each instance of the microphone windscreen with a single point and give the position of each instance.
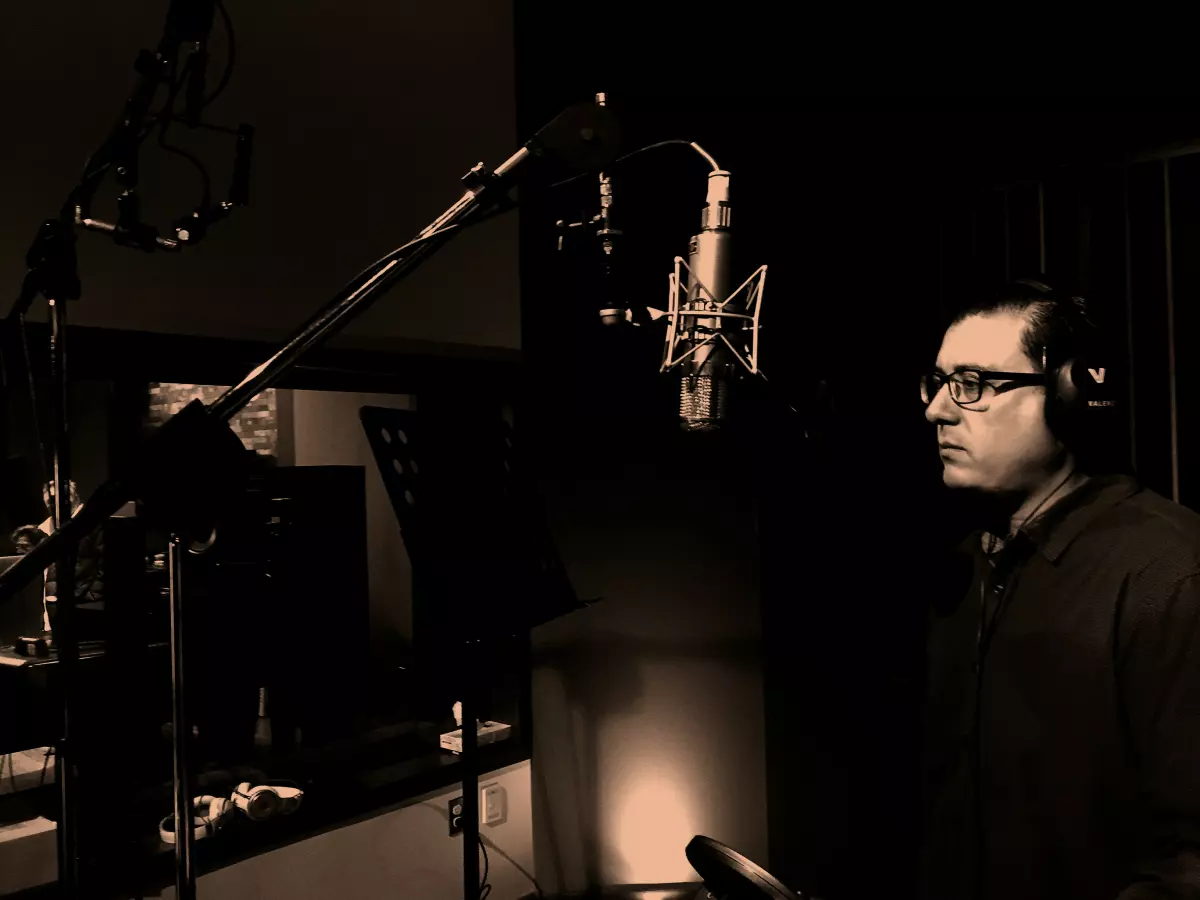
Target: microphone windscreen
(702, 402)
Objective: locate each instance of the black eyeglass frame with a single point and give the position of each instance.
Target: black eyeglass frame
(986, 376)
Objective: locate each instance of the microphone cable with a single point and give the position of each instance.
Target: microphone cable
(484, 887)
(620, 159)
(190, 70)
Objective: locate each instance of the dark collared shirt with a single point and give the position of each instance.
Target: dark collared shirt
(1062, 737)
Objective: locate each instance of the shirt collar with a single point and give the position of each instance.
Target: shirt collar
(1054, 531)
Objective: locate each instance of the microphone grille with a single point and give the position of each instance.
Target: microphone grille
(702, 403)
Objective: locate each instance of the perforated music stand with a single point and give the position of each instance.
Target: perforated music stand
(470, 520)
(483, 562)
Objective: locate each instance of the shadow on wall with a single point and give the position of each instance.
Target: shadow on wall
(626, 752)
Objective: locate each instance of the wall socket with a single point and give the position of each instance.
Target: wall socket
(493, 808)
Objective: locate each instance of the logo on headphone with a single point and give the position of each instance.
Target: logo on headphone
(1097, 375)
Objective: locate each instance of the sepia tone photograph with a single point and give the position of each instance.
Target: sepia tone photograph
(513, 450)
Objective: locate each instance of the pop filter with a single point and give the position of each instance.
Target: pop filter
(730, 876)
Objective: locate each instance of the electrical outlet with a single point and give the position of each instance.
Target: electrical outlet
(492, 805)
(456, 816)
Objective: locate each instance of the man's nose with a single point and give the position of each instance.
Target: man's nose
(941, 408)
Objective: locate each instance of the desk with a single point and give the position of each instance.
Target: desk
(392, 757)
(338, 792)
(10, 659)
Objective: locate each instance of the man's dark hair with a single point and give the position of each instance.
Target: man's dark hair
(1055, 324)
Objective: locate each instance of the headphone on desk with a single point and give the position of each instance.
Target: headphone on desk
(207, 814)
(267, 800)
(258, 803)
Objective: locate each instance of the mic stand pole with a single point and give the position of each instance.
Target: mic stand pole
(179, 476)
(66, 763)
(53, 272)
(181, 731)
(470, 773)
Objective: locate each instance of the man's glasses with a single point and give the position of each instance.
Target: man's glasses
(966, 385)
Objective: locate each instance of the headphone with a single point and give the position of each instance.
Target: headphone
(1081, 388)
(258, 803)
(267, 800)
(207, 813)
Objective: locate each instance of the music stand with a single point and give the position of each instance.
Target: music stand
(479, 548)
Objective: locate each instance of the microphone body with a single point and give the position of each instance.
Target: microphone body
(709, 367)
(713, 333)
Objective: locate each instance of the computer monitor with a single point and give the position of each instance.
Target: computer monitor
(21, 614)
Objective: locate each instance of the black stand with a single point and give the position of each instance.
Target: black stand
(53, 273)
(470, 773)
(181, 730)
(66, 765)
(730, 876)
(480, 551)
(195, 464)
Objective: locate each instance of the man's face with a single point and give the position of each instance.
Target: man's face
(1004, 440)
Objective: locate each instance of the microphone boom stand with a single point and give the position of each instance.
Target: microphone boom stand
(176, 491)
(53, 273)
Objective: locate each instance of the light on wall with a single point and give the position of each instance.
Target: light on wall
(653, 821)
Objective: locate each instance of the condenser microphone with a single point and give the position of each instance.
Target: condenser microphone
(713, 331)
(708, 372)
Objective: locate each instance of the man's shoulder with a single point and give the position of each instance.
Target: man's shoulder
(1148, 529)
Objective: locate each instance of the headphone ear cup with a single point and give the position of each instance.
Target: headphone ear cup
(1062, 398)
(289, 799)
(1067, 387)
(257, 803)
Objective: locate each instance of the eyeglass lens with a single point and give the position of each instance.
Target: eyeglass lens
(965, 387)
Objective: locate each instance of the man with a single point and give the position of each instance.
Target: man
(89, 561)
(1062, 720)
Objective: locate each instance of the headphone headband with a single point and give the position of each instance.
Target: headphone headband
(1074, 306)
(207, 813)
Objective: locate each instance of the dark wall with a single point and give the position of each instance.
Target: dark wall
(758, 614)
(367, 116)
(859, 173)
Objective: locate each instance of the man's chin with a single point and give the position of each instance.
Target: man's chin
(957, 477)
